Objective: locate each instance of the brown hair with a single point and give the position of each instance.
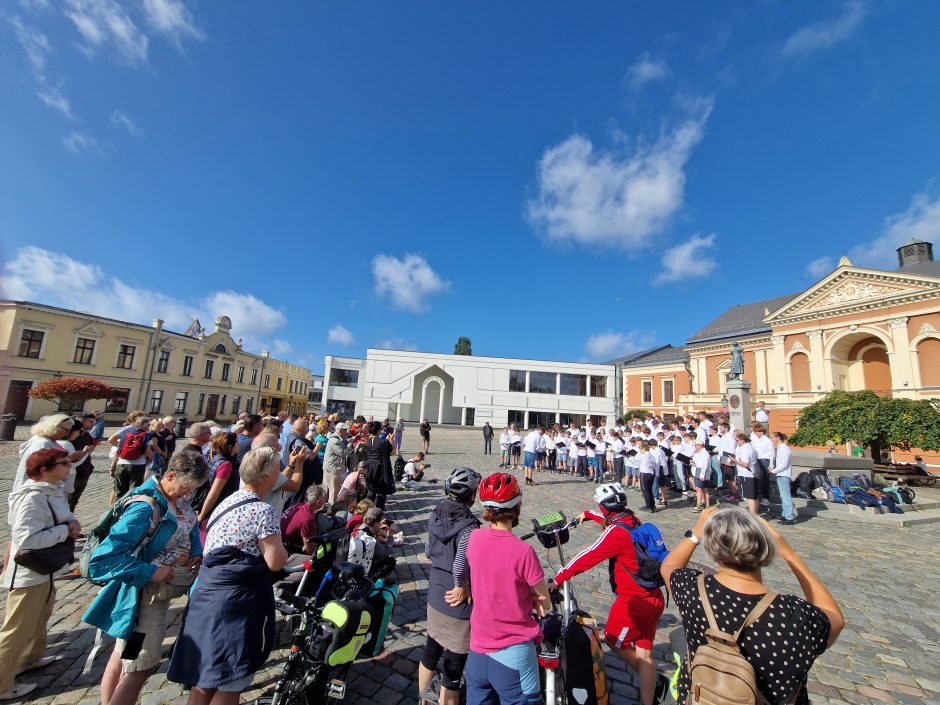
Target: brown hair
(494, 514)
(223, 443)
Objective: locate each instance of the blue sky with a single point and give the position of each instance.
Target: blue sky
(551, 179)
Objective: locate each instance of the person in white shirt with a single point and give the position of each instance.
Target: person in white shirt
(762, 414)
(765, 458)
(617, 447)
(686, 449)
(582, 454)
(600, 458)
(704, 421)
(701, 470)
(783, 471)
(530, 447)
(632, 464)
(541, 450)
(504, 448)
(659, 483)
(726, 446)
(647, 466)
(745, 458)
(515, 448)
(562, 451)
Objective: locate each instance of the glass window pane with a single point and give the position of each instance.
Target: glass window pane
(516, 380)
(573, 385)
(543, 382)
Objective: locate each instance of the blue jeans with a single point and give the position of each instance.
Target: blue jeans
(717, 473)
(509, 676)
(786, 501)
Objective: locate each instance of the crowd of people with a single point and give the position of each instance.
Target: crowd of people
(215, 516)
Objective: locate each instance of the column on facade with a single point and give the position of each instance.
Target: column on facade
(902, 368)
(777, 369)
(525, 418)
(397, 411)
(463, 416)
(440, 405)
(820, 368)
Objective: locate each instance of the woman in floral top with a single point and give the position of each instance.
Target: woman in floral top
(233, 596)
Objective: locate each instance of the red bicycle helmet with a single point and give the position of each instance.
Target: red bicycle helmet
(500, 491)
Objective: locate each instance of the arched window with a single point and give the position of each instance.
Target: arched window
(928, 357)
(220, 348)
(799, 373)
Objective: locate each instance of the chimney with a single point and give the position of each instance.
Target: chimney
(914, 252)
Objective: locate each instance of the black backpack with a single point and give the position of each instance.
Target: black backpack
(399, 468)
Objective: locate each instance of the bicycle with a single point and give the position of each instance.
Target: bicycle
(326, 641)
(552, 531)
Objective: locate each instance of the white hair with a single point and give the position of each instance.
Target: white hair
(738, 540)
(48, 425)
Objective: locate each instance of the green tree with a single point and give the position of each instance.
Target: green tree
(871, 419)
(463, 346)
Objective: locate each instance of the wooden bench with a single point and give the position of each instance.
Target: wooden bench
(890, 472)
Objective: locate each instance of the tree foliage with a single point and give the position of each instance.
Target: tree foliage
(870, 419)
(71, 392)
(643, 414)
(463, 346)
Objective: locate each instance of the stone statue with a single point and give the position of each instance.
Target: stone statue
(737, 361)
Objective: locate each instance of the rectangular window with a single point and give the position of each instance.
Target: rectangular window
(543, 383)
(515, 417)
(156, 401)
(267, 381)
(647, 391)
(125, 359)
(516, 380)
(241, 374)
(68, 407)
(222, 404)
(598, 386)
(545, 419)
(210, 366)
(254, 377)
(250, 405)
(669, 391)
(84, 351)
(567, 419)
(163, 362)
(188, 366)
(573, 385)
(344, 378)
(202, 403)
(117, 402)
(31, 343)
(179, 406)
(236, 403)
(345, 409)
(280, 383)
(226, 371)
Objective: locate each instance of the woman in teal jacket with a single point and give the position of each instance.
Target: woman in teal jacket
(139, 585)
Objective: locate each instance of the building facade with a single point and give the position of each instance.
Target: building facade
(315, 395)
(468, 390)
(857, 328)
(198, 375)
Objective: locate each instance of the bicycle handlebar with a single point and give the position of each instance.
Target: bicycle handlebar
(573, 524)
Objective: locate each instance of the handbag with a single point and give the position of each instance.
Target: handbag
(48, 560)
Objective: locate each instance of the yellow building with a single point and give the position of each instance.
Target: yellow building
(196, 375)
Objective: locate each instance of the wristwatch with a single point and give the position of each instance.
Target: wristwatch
(690, 535)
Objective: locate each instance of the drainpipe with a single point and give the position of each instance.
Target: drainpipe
(264, 363)
(149, 361)
(618, 390)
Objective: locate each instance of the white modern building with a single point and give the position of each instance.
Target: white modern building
(468, 390)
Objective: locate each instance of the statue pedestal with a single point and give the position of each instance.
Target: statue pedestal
(739, 404)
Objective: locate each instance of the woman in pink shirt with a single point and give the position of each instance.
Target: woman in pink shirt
(506, 583)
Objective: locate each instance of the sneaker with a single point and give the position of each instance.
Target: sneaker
(39, 663)
(765, 503)
(697, 508)
(18, 690)
(661, 694)
(786, 522)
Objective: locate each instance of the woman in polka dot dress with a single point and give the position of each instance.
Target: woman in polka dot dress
(785, 641)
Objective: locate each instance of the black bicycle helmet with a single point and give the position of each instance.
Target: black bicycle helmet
(461, 484)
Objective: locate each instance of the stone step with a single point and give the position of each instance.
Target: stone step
(914, 515)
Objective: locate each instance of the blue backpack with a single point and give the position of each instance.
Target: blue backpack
(650, 552)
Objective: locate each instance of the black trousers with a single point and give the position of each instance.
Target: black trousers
(377, 499)
(646, 485)
(487, 445)
(763, 479)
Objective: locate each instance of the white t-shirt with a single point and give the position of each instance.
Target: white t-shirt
(617, 446)
(706, 424)
(531, 443)
(504, 440)
(762, 415)
(764, 447)
(747, 454)
(647, 463)
(701, 460)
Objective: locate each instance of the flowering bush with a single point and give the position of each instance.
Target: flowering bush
(71, 392)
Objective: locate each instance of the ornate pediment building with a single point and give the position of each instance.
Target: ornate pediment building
(857, 328)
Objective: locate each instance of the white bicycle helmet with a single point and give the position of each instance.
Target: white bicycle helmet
(612, 497)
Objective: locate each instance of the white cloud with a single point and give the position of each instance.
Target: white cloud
(610, 344)
(35, 44)
(921, 220)
(53, 98)
(594, 196)
(646, 69)
(104, 22)
(78, 142)
(395, 344)
(689, 260)
(823, 35)
(820, 267)
(407, 281)
(36, 274)
(340, 335)
(172, 19)
(121, 119)
(281, 348)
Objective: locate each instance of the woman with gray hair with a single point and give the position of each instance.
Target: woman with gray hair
(233, 597)
(149, 558)
(779, 635)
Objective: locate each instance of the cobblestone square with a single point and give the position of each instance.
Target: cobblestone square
(885, 580)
